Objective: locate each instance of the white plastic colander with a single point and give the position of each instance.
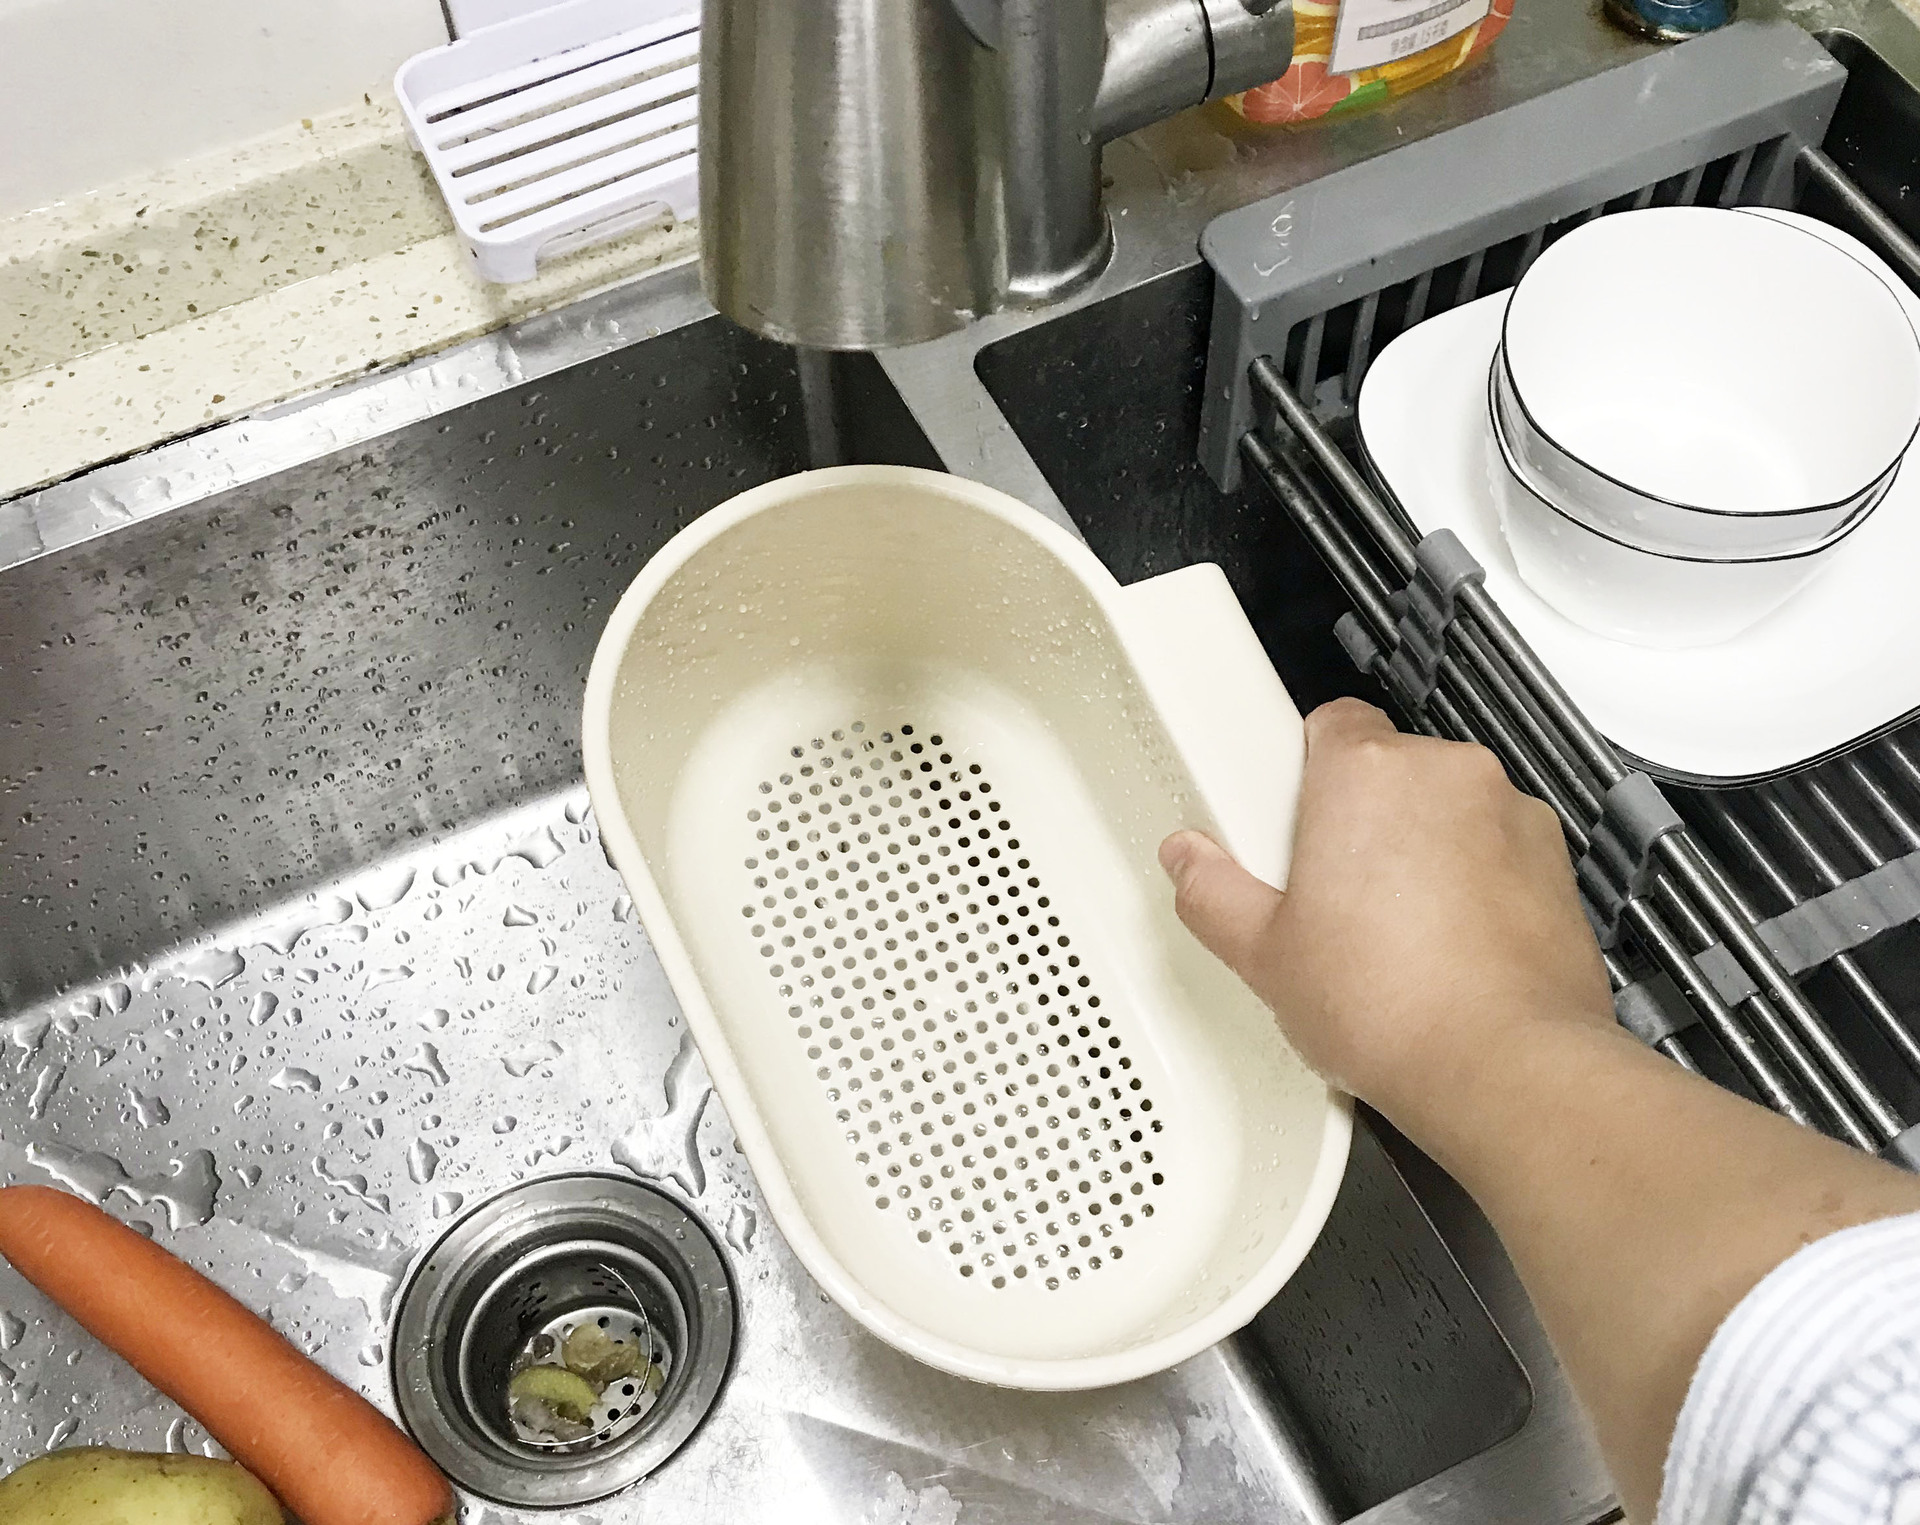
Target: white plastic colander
(885, 759)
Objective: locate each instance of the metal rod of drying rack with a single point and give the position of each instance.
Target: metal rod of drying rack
(1367, 587)
(1492, 688)
(1517, 707)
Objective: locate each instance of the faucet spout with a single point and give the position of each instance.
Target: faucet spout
(881, 172)
(1052, 56)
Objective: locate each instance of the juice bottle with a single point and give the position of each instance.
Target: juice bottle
(1348, 54)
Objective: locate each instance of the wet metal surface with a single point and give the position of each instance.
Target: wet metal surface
(315, 949)
(309, 946)
(312, 948)
(213, 708)
(302, 1102)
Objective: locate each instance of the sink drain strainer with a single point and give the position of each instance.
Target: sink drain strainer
(585, 1258)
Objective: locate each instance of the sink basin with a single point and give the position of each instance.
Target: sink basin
(311, 950)
(1107, 401)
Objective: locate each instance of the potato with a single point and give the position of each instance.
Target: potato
(567, 1393)
(93, 1485)
(596, 1355)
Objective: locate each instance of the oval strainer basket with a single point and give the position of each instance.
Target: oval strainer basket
(885, 758)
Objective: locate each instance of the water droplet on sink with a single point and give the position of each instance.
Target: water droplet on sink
(663, 1148)
(519, 916)
(554, 1150)
(427, 1062)
(541, 848)
(352, 1183)
(391, 976)
(446, 1203)
(741, 1227)
(44, 1085)
(293, 1078)
(542, 977)
(109, 505)
(186, 1188)
(265, 1005)
(327, 911)
(370, 1285)
(388, 890)
(212, 967)
(422, 1161)
(25, 1036)
(145, 1111)
(521, 1060)
(13, 1329)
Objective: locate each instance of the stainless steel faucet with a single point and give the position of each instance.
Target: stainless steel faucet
(880, 172)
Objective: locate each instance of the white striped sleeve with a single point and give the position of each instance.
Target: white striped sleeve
(1805, 1409)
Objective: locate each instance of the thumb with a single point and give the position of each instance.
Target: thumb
(1222, 904)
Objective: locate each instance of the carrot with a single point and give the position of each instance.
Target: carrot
(330, 1456)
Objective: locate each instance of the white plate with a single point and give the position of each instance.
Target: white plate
(1837, 663)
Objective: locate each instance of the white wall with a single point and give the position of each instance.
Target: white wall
(470, 15)
(95, 91)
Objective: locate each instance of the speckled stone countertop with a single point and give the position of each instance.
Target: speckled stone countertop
(156, 307)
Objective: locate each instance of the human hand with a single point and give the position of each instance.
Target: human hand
(1430, 910)
(1429, 954)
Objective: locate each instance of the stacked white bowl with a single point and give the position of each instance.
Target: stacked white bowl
(1695, 406)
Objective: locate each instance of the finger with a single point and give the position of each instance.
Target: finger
(1342, 722)
(1222, 904)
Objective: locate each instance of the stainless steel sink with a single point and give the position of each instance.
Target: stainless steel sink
(309, 947)
(312, 949)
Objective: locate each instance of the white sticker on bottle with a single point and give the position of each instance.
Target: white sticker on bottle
(1369, 33)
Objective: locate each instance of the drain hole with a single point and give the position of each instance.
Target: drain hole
(563, 1340)
(571, 1344)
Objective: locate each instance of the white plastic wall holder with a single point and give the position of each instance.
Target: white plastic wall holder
(562, 128)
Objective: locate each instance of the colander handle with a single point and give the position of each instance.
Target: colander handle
(1235, 724)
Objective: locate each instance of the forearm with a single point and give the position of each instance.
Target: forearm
(1430, 954)
(1640, 1204)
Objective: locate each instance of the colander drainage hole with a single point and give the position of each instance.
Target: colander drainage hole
(988, 1098)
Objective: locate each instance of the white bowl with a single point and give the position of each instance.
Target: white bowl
(1832, 665)
(1708, 383)
(1633, 595)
